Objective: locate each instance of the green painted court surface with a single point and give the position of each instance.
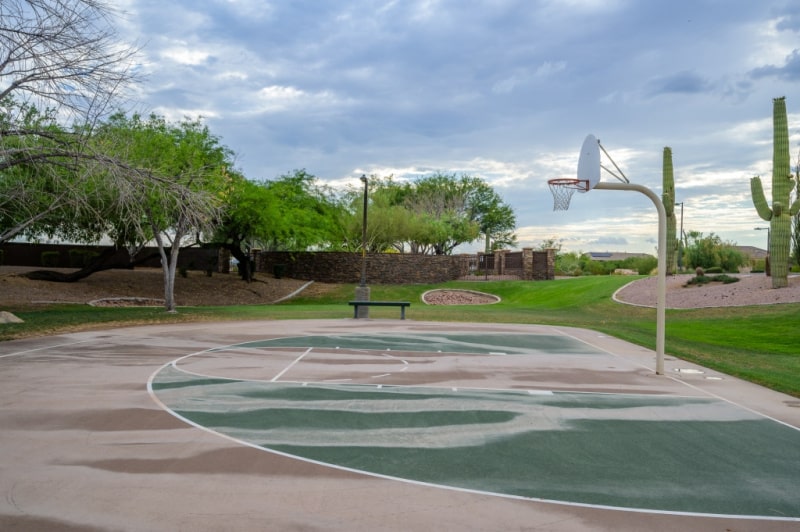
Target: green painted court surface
(651, 452)
(479, 344)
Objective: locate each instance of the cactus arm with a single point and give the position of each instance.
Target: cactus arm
(795, 208)
(759, 199)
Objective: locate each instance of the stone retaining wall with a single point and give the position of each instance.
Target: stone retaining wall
(381, 268)
(396, 268)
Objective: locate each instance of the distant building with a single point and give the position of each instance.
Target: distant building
(753, 252)
(603, 256)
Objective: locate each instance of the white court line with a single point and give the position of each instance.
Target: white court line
(556, 502)
(295, 361)
(44, 348)
(443, 486)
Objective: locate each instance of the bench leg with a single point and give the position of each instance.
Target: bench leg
(355, 311)
(402, 313)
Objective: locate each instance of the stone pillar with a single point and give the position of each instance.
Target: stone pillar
(527, 264)
(499, 261)
(362, 294)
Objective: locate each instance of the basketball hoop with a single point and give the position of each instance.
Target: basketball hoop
(563, 189)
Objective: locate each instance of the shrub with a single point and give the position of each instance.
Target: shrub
(705, 279)
(79, 258)
(646, 265)
(50, 259)
(757, 265)
(710, 251)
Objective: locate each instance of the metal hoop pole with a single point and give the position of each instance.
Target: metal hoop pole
(622, 177)
(662, 264)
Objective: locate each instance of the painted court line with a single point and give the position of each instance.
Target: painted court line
(445, 486)
(387, 473)
(44, 348)
(295, 361)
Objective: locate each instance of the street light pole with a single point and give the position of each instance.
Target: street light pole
(680, 246)
(362, 290)
(364, 234)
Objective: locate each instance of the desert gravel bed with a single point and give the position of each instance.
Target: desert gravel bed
(751, 289)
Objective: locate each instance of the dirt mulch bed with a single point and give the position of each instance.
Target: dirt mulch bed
(142, 286)
(458, 297)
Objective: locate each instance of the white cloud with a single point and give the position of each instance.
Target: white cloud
(504, 90)
(183, 54)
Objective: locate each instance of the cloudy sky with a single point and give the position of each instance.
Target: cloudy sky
(505, 90)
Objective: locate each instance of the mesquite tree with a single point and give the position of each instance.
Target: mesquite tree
(61, 68)
(783, 183)
(186, 172)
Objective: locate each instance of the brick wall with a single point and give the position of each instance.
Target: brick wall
(395, 268)
(528, 264)
(382, 268)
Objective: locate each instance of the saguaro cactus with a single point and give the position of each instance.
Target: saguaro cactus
(780, 215)
(668, 198)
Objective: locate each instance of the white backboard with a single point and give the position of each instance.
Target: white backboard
(589, 161)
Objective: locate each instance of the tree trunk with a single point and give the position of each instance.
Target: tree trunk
(244, 268)
(169, 276)
(109, 259)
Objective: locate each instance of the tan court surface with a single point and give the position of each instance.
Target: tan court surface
(86, 446)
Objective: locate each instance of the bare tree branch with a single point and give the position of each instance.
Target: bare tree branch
(63, 54)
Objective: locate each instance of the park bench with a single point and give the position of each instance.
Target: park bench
(401, 304)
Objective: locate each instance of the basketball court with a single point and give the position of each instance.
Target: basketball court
(390, 425)
(384, 424)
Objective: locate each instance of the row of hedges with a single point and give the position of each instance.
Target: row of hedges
(76, 256)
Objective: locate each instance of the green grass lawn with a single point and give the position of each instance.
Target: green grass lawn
(757, 343)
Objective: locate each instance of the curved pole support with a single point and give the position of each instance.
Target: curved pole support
(662, 263)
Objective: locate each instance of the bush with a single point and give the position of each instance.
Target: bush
(714, 269)
(50, 259)
(79, 258)
(646, 265)
(705, 279)
(710, 252)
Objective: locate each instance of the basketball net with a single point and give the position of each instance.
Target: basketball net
(563, 189)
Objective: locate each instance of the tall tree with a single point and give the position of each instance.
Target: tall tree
(389, 222)
(292, 212)
(495, 218)
(61, 67)
(432, 215)
(303, 217)
(186, 170)
(461, 209)
(62, 54)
